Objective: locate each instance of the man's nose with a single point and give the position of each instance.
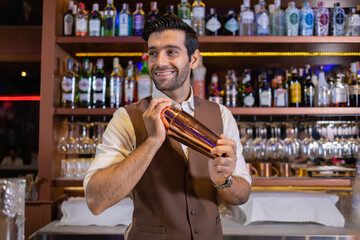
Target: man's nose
(162, 59)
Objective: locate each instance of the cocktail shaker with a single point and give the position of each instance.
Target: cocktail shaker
(184, 128)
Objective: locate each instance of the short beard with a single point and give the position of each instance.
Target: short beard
(178, 81)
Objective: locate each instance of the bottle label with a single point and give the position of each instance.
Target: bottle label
(94, 27)
(232, 25)
(84, 97)
(115, 92)
(144, 86)
(124, 25)
(247, 15)
(354, 89)
(99, 97)
(354, 21)
(249, 101)
(263, 20)
(68, 24)
(67, 84)
(324, 19)
(138, 22)
(340, 95)
(84, 85)
(265, 99)
(81, 27)
(213, 25)
(280, 97)
(98, 84)
(199, 88)
(218, 100)
(309, 19)
(339, 18)
(294, 18)
(295, 89)
(129, 92)
(199, 12)
(68, 97)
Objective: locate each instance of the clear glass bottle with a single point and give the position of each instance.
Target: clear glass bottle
(184, 11)
(340, 92)
(95, 21)
(144, 81)
(109, 19)
(129, 84)
(99, 85)
(231, 25)
(352, 24)
(337, 21)
(125, 21)
(308, 89)
(247, 20)
(265, 95)
(321, 20)
(199, 74)
(154, 12)
(280, 92)
(116, 84)
(198, 22)
(170, 10)
(292, 18)
(322, 90)
(138, 20)
(231, 89)
(84, 86)
(277, 20)
(295, 93)
(69, 20)
(262, 20)
(354, 92)
(68, 87)
(81, 21)
(306, 20)
(213, 24)
(248, 98)
(214, 91)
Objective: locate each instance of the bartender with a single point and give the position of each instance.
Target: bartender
(174, 189)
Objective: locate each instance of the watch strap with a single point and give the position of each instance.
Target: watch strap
(226, 184)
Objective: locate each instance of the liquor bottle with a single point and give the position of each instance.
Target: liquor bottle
(231, 89)
(138, 20)
(280, 92)
(337, 21)
(116, 84)
(199, 74)
(322, 93)
(295, 89)
(69, 20)
(170, 10)
(184, 11)
(321, 20)
(231, 25)
(292, 20)
(198, 22)
(264, 91)
(109, 19)
(277, 20)
(81, 21)
(95, 21)
(144, 82)
(308, 89)
(213, 24)
(102, 28)
(129, 84)
(354, 92)
(99, 85)
(214, 92)
(84, 86)
(247, 20)
(68, 87)
(306, 20)
(262, 20)
(248, 97)
(340, 92)
(154, 12)
(352, 23)
(125, 21)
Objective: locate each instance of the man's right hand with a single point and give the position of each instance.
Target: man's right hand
(152, 119)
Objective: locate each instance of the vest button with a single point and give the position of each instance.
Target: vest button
(190, 195)
(193, 212)
(196, 231)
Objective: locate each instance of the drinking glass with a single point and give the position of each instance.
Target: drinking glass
(67, 144)
(325, 146)
(274, 147)
(355, 147)
(258, 145)
(309, 145)
(85, 145)
(246, 138)
(290, 151)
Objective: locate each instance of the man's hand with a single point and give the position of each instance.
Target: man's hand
(221, 168)
(152, 119)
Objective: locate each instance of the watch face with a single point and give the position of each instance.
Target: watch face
(227, 184)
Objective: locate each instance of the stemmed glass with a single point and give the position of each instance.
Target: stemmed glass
(290, 144)
(274, 147)
(355, 147)
(85, 145)
(67, 144)
(259, 143)
(246, 133)
(325, 147)
(309, 145)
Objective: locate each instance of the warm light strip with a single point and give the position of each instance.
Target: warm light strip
(229, 54)
(19, 98)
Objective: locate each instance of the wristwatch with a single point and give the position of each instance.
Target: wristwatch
(226, 184)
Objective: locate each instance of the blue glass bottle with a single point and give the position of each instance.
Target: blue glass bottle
(231, 25)
(124, 27)
(306, 20)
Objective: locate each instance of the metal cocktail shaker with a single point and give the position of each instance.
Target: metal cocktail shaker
(187, 130)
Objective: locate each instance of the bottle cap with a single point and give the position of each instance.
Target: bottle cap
(116, 62)
(82, 6)
(320, 4)
(247, 3)
(95, 7)
(214, 78)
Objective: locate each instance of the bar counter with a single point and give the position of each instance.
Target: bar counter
(232, 231)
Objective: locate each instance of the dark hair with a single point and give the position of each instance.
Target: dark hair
(173, 22)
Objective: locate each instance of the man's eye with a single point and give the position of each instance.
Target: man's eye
(171, 52)
(151, 53)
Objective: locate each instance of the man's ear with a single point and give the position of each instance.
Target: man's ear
(195, 59)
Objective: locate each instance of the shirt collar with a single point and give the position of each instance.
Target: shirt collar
(189, 102)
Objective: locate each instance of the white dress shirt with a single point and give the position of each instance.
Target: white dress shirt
(119, 138)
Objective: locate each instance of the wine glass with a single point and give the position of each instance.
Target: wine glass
(325, 146)
(309, 145)
(85, 145)
(259, 143)
(274, 147)
(355, 147)
(67, 144)
(290, 151)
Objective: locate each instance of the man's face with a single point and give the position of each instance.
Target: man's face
(168, 60)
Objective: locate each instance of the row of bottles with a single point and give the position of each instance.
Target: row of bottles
(290, 88)
(96, 89)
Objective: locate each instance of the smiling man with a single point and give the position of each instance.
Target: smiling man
(174, 189)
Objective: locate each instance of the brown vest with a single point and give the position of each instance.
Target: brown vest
(174, 200)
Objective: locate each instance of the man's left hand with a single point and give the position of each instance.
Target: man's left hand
(221, 168)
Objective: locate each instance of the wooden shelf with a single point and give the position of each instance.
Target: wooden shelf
(328, 111)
